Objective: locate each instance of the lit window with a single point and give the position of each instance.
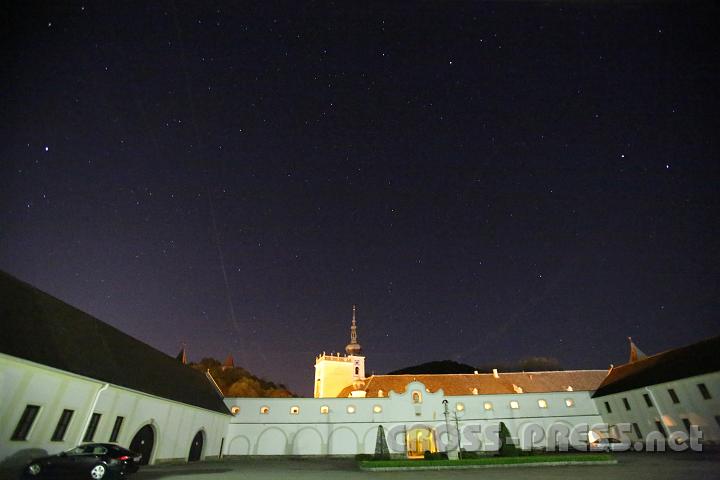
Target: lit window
(542, 403)
(324, 409)
(351, 409)
(569, 402)
(26, 421)
(62, 426)
(416, 397)
(235, 410)
(474, 391)
(377, 409)
(294, 410)
(459, 407)
(487, 405)
(381, 393)
(264, 410)
(704, 391)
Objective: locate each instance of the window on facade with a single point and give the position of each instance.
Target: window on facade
(647, 400)
(381, 393)
(626, 403)
(459, 407)
(377, 409)
(673, 395)
(569, 402)
(324, 409)
(704, 391)
(717, 420)
(92, 426)
(357, 370)
(514, 404)
(416, 397)
(607, 407)
(62, 426)
(636, 428)
(26, 422)
(351, 409)
(686, 422)
(264, 410)
(542, 403)
(294, 410)
(119, 421)
(488, 405)
(660, 428)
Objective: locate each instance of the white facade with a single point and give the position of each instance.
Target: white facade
(348, 426)
(660, 410)
(24, 383)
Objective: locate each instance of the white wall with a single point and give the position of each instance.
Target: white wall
(23, 382)
(692, 406)
(310, 432)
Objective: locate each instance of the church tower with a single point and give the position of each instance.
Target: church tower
(335, 372)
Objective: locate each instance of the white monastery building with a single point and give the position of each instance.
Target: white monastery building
(66, 377)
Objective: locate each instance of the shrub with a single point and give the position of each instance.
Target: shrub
(428, 455)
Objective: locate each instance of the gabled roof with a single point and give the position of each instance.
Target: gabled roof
(689, 361)
(45, 330)
(486, 383)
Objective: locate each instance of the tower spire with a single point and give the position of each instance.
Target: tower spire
(353, 328)
(353, 348)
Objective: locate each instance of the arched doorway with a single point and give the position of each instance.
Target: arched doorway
(420, 440)
(143, 443)
(196, 447)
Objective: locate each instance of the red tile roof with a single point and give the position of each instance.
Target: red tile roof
(486, 383)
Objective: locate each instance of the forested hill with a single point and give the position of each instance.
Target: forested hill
(529, 364)
(238, 382)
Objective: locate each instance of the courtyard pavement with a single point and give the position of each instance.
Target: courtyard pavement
(635, 466)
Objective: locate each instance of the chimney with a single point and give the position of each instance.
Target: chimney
(495, 373)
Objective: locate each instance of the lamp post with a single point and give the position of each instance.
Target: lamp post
(447, 425)
(457, 427)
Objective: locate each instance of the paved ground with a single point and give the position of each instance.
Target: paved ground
(636, 466)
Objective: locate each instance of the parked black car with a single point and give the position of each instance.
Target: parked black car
(87, 461)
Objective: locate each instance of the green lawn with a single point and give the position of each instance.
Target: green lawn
(596, 457)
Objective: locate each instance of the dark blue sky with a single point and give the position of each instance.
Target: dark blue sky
(486, 181)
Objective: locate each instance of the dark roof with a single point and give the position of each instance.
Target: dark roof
(45, 330)
(683, 362)
(486, 384)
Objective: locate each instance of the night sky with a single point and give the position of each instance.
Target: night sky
(486, 181)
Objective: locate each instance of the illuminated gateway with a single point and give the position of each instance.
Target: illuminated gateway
(66, 377)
